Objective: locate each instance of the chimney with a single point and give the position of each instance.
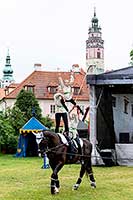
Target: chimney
(37, 67)
(75, 68)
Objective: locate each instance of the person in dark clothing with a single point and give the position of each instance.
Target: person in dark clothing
(61, 112)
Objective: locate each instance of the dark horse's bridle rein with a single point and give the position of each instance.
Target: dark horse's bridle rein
(54, 149)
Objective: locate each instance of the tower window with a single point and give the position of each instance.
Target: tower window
(98, 55)
(86, 55)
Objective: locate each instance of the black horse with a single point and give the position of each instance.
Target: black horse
(58, 155)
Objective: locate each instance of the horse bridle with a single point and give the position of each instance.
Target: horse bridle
(39, 137)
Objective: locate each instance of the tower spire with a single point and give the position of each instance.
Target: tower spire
(94, 11)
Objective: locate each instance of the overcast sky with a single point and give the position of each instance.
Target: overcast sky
(53, 33)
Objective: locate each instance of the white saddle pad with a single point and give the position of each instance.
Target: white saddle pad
(81, 143)
(63, 139)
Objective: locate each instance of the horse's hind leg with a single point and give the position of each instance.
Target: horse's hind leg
(57, 182)
(90, 173)
(79, 180)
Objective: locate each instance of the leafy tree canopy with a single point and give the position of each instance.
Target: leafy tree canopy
(28, 104)
(131, 54)
(47, 121)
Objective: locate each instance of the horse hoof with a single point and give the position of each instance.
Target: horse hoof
(75, 187)
(56, 190)
(54, 193)
(93, 185)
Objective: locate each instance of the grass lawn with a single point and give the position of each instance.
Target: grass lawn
(23, 179)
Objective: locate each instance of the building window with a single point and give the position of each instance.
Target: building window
(124, 137)
(98, 55)
(132, 110)
(113, 101)
(29, 88)
(86, 55)
(76, 90)
(52, 89)
(126, 103)
(52, 109)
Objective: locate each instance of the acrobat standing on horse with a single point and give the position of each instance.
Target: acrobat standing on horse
(60, 111)
(74, 117)
(66, 86)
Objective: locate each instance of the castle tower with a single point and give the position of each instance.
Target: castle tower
(7, 73)
(94, 48)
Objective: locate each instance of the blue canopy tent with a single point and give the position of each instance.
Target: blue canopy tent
(27, 145)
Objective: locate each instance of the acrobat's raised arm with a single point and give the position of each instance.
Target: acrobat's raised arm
(61, 82)
(71, 79)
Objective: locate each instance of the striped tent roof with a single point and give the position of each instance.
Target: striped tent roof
(33, 125)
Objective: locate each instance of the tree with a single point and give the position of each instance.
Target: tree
(8, 137)
(131, 54)
(28, 104)
(16, 118)
(47, 121)
(131, 58)
(13, 119)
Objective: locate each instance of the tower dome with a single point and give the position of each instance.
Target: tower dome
(94, 19)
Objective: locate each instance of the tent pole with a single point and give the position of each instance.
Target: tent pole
(45, 162)
(96, 160)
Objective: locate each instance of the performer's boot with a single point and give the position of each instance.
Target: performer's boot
(70, 147)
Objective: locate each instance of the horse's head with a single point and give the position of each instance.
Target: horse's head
(42, 142)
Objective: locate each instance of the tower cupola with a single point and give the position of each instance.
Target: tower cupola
(94, 21)
(7, 72)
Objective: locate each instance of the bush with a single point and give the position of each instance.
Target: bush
(8, 138)
(47, 121)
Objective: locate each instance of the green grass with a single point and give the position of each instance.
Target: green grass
(23, 179)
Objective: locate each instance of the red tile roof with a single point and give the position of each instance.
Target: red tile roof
(13, 85)
(2, 93)
(42, 79)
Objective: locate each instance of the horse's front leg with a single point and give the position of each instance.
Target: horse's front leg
(90, 173)
(54, 178)
(82, 171)
(55, 185)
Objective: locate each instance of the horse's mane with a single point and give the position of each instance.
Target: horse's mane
(51, 135)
